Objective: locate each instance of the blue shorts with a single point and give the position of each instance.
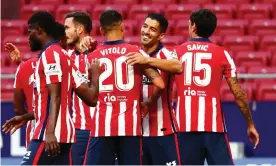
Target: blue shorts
(161, 150)
(79, 148)
(195, 147)
(36, 155)
(103, 150)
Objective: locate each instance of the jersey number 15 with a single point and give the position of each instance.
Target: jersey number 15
(192, 63)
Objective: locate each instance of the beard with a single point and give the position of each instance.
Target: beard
(35, 45)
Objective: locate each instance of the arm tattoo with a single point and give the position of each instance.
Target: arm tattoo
(241, 99)
(151, 73)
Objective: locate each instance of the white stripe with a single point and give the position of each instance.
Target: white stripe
(188, 112)
(107, 123)
(58, 126)
(121, 119)
(160, 117)
(14, 84)
(92, 112)
(68, 122)
(82, 116)
(57, 59)
(37, 83)
(44, 62)
(177, 111)
(167, 53)
(143, 53)
(73, 108)
(201, 114)
(232, 64)
(135, 117)
(146, 118)
(73, 131)
(214, 114)
(97, 120)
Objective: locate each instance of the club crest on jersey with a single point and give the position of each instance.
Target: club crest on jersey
(146, 80)
(173, 54)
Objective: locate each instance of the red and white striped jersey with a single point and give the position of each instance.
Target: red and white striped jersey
(53, 67)
(82, 114)
(24, 78)
(198, 87)
(118, 110)
(161, 118)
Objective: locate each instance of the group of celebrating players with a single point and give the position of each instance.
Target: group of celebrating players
(101, 103)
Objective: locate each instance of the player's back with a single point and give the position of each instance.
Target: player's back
(118, 110)
(198, 87)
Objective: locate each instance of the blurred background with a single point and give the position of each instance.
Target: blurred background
(247, 28)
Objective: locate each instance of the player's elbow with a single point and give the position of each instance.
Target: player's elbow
(178, 68)
(159, 83)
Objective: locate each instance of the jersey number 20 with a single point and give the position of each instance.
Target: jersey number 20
(193, 64)
(118, 74)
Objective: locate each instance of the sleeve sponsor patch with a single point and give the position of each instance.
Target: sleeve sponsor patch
(52, 69)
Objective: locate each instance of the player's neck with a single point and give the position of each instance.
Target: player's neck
(150, 49)
(195, 36)
(114, 36)
(46, 41)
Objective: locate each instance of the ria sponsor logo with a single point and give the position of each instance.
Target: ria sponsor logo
(191, 92)
(109, 98)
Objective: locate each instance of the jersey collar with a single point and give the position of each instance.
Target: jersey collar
(78, 53)
(46, 46)
(113, 42)
(200, 39)
(159, 47)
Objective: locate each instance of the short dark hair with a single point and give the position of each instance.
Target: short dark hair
(161, 19)
(81, 18)
(45, 21)
(205, 21)
(60, 31)
(110, 18)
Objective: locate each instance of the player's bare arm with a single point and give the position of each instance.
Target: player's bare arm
(89, 92)
(13, 52)
(51, 144)
(242, 102)
(172, 65)
(155, 77)
(19, 101)
(88, 43)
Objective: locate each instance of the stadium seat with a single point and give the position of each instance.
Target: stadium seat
(180, 12)
(98, 9)
(52, 2)
(133, 40)
(248, 59)
(231, 27)
(100, 39)
(262, 27)
(171, 41)
(222, 11)
(159, 2)
(6, 96)
(240, 43)
(131, 27)
(181, 28)
(62, 10)
(7, 85)
(237, 2)
(268, 43)
(5, 60)
(28, 10)
(266, 1)
(140, 12)
(88, 2)
(28, 55)
(8, 70)
(227, 95)
(241, 70)
(273, 63)
(216, 39)
(254, 11)
(21, 42)
(266, 92)
(12, 27)
(261, 70)
(196, 1)
(122, 2)
(95, 28)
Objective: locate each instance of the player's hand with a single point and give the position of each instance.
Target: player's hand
(13, 52)
(95, 67)
(144, 109)
(133, 58)
(88, 43)
(13, 124)
(51, 144)
(253, 136)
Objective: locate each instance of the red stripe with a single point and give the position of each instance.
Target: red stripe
(70, 157)
(208, 114)
(228, 145)
(38, 153)
(129, 118)
(194, 113)
(220, 127)
(177, 148)
(141, 150)
(86, 152)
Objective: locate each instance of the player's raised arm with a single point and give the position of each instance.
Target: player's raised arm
(240, 97)
(88, 92)
(171, 64)
(13, 52)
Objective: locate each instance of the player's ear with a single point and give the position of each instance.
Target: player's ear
(80, 29)
(161, 36)
(102, 31)
(122, 27)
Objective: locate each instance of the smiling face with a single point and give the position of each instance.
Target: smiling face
(71, 31)
(34, 37)
(151, 32)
